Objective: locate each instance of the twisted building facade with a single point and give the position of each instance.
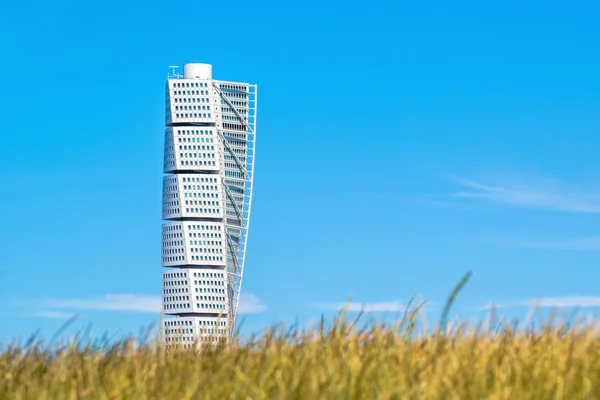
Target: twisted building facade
(207, 194)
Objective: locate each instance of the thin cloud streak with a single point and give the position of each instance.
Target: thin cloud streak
(540, 193)
(565, 302)
(366, 307)
(109, 302)
(549, 302)
(249, 304)
(490, 306)
(52, 314)
(582, 243)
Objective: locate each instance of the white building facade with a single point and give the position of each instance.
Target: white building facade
(207, 193)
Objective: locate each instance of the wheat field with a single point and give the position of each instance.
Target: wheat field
(337, 361)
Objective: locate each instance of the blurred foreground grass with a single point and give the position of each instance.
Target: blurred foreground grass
(338, 362)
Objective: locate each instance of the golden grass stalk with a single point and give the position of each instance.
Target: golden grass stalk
(343, 361)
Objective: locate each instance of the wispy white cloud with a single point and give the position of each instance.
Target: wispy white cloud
(490, 306)
(564, 302)
(366, 307)
(541, 193)
(113, 302)
(549, 302)
(52, 314)
(249, 304)
(581, 243)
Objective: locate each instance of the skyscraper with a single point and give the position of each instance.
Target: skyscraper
(207, 193)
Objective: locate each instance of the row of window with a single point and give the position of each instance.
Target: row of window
(167, 283)
(184, 147)
(235, 127)
(238, 152)
(198, 305)
(215, 232)
(182, 108)
(196, 282)
(230, 110)
(234, 142)
(171, 243)
(174, 290)
(213, 339)
(234, 174)
(191, 99)
(193, 139)
(204, 235)
(199, 187)
(230, 118)
(196, 162)
(194, 115)
(172, 191)
(205, 250)
(190, 92)
(188, 331)
(196, 210)
(207, 258)
(175, 275)
(184, 322)
(233, 95)
(171, 259)
(176, 298)
(170, 275)
(187, 298)
(235, 135)
(210, 283)
(208, 275)
(236, 186)
(199, 202)
(204, 203)
(168, 204)
(196, 290)
(194, 132)
(206, 243)
(172, 251)
(237, 103)
(210, 298)
(225, 86)
(200, 210)
(199, 179)
(215, 227)
(187, 84)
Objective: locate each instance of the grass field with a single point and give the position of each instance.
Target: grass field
(335, 362)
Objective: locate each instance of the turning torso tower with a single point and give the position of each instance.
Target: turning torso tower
(207, 193)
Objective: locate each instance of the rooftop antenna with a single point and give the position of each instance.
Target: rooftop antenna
(174, 67)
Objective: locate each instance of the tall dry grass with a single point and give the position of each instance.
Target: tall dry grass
(342, 361)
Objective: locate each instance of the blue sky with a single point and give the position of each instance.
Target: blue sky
(400, 144)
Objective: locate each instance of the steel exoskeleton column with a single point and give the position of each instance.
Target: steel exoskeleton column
(247, 170)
